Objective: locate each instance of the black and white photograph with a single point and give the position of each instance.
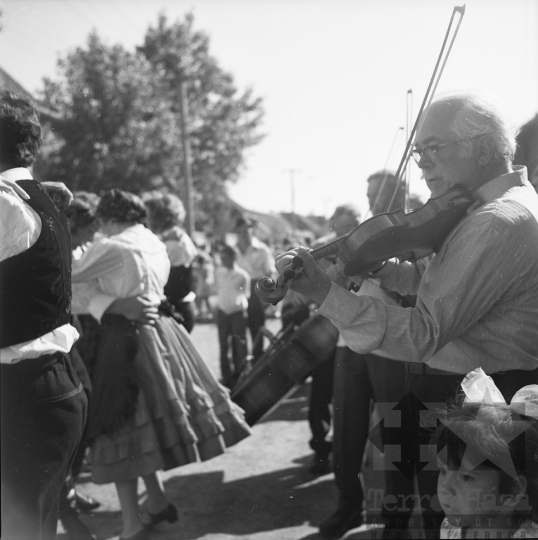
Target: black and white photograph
(268, 269)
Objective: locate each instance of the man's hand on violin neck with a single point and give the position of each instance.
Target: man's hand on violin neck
(313, 283)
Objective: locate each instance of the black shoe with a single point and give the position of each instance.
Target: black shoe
(339, 523)
(168, 514)
(320, 465)
(74, 527)
(86, 503)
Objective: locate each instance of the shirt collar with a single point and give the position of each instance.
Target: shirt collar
(18, 173)
(255, 243)
(498, 186)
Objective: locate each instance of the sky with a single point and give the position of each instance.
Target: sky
(334, 75)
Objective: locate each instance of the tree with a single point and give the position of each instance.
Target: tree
(121, 117)
(116, 130)
(222, 123)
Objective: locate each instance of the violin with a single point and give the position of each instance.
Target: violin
(408, 236)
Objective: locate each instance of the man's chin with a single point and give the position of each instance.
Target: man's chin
(436, 187)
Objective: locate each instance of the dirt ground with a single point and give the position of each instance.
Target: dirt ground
(259, 490)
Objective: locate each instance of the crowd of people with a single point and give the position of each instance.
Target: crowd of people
(99, 295)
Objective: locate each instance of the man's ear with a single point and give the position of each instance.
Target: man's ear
(486, 150)
(518, 489)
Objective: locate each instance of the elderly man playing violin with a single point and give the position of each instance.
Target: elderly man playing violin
(477, 298)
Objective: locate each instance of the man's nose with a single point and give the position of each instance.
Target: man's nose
(424, 162)
(424, 168)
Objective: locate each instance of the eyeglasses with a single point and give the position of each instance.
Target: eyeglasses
(431, 150)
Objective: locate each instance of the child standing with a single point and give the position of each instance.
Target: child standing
(233, 291)
(488, 481)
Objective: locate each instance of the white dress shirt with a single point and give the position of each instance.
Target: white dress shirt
(257, 260)
(233, 289)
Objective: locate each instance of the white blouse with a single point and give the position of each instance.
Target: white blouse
(181, 249)
(131, 263)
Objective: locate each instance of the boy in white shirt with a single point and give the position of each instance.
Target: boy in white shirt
(233, 291)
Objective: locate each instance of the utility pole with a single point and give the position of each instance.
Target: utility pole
(292, 187)
(185, 143)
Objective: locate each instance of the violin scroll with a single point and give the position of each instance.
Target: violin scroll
(271, 291)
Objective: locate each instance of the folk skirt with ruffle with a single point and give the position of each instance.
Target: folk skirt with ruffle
(182, 413)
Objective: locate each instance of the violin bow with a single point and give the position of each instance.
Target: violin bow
(381, 189)
(271, 291)
(430, 93)
(408, 124)
(329, 249)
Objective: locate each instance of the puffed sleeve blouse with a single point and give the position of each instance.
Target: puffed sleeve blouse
(131, 263)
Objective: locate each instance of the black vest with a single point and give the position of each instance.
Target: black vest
(35, 285)
(180, 283)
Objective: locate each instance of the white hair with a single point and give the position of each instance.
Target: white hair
(479, 114)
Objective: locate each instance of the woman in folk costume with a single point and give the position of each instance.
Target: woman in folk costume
(166, 214)
(156, 403)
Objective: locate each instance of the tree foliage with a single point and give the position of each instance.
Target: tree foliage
(121, 116)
